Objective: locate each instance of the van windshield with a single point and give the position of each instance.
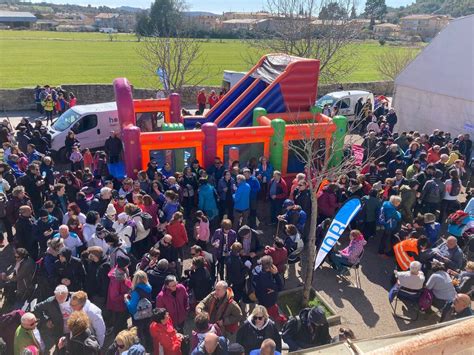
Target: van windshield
(326, 100)
(66, 120)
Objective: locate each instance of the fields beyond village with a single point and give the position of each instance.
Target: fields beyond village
(29, 58)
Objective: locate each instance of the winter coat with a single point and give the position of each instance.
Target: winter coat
(42, 227)
(177, 306)
(327, 203)
(220, 350)
(281, 189)
(169, 208)
(100, 205)
(23, 339)
(73, 270)
(389, 217)
(97, 279)
(236, 270)
(113, 146)
(303, 199)
(165, 335)
(84, 343)
(156, 278)
(432, 232)
(433, 191)
(49, 310)
(242, 197)
(371, 208)
(24, 278)
(24, 237)
(200, 283)
(230, 185)
(177, 230)
(354, 250)
(279, 257)
(139, 292)
(250, 337)
(141, 232)
(408, 196)
(224, 244)
(225, 309)
(13, 205)
(119, 286)
(207, 201)
(266, 174)
(254, 187)
(266, 286)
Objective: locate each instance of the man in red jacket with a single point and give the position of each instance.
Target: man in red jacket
(201, 101)
(213, 98)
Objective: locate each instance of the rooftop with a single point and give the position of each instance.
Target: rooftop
(423, 17)
(106, 15)
(16, 16)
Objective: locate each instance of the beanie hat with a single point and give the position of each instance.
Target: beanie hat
(123, 261)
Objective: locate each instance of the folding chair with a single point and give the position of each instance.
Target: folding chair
(408, 296)
(356, 267)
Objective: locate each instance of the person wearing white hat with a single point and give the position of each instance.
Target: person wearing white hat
(109, 217)
(124, 229)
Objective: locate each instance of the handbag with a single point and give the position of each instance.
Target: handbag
(426, 300)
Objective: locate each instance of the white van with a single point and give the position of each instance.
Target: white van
(92, 125)
(345, 101)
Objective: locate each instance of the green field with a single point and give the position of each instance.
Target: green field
(31, 57)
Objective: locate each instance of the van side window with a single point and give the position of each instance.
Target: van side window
(86, 123)
(344, 103)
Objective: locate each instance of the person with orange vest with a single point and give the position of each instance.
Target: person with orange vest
(406, 250)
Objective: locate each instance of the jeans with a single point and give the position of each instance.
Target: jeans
(385, 245)
(340, 261)
(253, 213)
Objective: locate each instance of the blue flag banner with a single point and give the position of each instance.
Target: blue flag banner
(338, 225)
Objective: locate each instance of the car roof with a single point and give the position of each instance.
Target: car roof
(338, 94)
(102, 107)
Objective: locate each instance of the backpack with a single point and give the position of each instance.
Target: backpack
(147, 220)
(457, 217)
(144, 309)
(455, 188)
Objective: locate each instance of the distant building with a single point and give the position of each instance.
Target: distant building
(16, 19)
(203, 20)
(386, 30)
(425, 26)
(246, 24)
(121, 22)
(45, 25)
(245, 15)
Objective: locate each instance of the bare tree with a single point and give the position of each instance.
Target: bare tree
(294, 29)
(322, 163)
(390, 63)
(181, 60)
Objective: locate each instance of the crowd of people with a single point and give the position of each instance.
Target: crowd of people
(52, 101)
(105, 258)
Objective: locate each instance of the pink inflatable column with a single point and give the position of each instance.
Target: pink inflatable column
(210, 143)
(175, 103)
(124, 100)
(130, 133)
(133, 150)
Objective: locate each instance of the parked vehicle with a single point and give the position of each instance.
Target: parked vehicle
(345, 101)
(91, 124)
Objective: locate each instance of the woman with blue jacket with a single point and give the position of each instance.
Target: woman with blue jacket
(207, 199)
(139, 305)
(264, 175)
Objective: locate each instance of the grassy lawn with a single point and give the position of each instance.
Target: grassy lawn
(32, 57)
(290, 303)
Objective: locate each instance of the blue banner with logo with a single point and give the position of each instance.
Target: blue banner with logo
(338, 225)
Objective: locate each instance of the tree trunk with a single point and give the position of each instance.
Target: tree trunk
(310, 250)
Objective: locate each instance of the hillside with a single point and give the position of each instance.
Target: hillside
(455, 8)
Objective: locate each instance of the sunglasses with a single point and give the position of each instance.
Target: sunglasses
(258, 318)
(120, 346)
(301, 185)
(193, 255)
(33, 324)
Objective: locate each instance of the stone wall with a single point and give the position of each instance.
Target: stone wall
(23, 99)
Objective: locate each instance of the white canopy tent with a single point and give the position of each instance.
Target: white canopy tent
(436, 90)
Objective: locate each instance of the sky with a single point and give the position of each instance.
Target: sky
(216, 6)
